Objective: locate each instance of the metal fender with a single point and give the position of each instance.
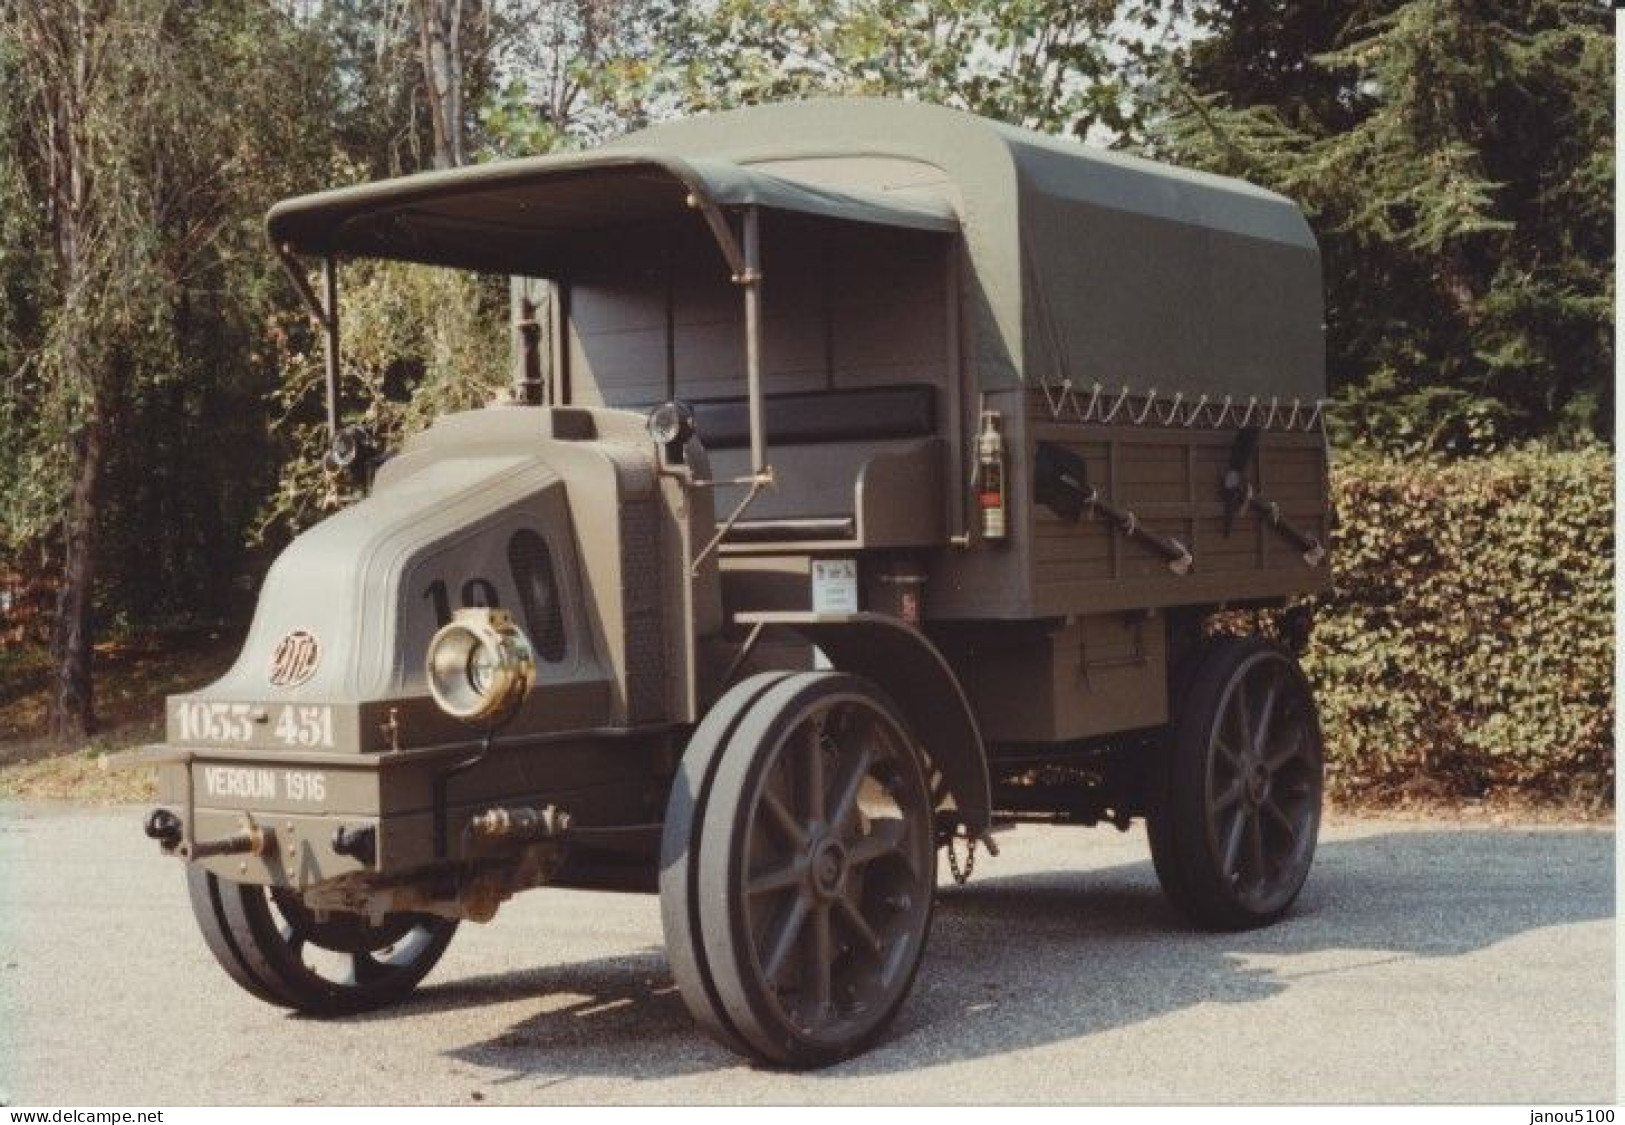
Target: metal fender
(908, 667)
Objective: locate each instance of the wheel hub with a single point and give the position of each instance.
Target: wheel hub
(828, 869)
(1258, 784)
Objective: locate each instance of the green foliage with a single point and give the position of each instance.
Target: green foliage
(203, 114)
(1468, 645)
(380, 116)
(1047, 64)
(190, 451)
(418, 342)
(1456, 160)
(561, 70)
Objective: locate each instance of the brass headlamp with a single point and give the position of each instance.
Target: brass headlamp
(480, 666)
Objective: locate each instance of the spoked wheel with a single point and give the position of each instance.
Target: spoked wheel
(817, 870)
(275, 947)
(1235, 809)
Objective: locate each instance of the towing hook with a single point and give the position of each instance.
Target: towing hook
(163, 826)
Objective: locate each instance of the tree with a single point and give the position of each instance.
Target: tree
(440, 32)
(122, 130)
(455, 41)
(1456, 159)
(74, 63)
(409, 76)
(1054, 65)
(556, 68)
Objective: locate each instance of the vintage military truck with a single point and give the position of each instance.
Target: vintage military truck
(871, 472)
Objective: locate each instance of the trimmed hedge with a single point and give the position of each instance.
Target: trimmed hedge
(1468, 644)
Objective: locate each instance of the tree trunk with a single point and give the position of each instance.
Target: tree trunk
(72, 715)
(440, 34)
(70, 45)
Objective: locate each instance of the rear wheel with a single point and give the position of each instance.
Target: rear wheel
(817, 870)
(1235, 803)
(279, 950)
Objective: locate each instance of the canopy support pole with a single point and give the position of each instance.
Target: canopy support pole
(330, 339)
(744, 258)
(324, 311)
(751, 279)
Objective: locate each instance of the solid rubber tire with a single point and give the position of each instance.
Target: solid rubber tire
(680, 847)
(1176, 820)
(723, 940)
(246, 917)
(204, 892)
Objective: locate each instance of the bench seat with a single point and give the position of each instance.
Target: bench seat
(853, 466)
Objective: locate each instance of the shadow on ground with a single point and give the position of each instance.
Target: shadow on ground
(1000, 946)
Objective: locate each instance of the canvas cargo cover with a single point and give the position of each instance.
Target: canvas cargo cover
(1084, 264)
(1081, 264)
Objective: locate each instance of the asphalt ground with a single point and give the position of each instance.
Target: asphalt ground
(1424, 963)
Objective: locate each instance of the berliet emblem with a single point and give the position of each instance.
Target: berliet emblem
(295, 658)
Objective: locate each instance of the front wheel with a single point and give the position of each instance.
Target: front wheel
(279, 950)
(816, 870)
(1235, 800)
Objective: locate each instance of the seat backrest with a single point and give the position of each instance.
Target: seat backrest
(818, 443)
(819, 417)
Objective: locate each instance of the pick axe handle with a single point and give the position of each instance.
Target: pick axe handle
(1314, 553)
(1177, 555)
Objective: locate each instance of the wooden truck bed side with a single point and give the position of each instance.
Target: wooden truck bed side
(1170, 477)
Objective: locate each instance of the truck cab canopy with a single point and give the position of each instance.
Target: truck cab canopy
(531, 216)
